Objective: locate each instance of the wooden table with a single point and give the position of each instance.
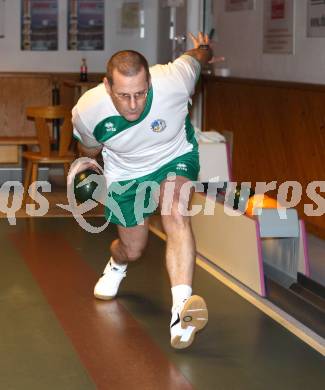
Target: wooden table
(80, 87)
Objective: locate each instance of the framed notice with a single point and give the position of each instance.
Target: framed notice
(86, 24)
(172, 3)
(130, 15)
(278, 26)
(39, 25)
(131, 18)
(239, 5)
(316, 18)
(2, 18)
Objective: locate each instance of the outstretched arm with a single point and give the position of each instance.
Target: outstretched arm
(202, 51)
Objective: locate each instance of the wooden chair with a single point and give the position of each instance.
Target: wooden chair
(43, 117)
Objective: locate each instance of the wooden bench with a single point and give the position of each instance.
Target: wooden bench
(10, 148)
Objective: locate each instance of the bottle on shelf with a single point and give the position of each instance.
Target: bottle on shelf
(83, 70)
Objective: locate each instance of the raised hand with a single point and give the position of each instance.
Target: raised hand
(203, 39)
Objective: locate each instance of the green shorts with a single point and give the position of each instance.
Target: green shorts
(129, 202)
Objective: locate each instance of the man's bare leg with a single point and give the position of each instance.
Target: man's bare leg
(128, 247)
(130, 244)
(189, 312)
(180, 251)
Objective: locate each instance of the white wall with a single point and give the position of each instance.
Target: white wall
(13, 59)
(240, 40)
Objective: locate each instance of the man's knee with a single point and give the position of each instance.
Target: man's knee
(176, 220)
(133, 252)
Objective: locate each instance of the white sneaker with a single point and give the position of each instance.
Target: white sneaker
(190, 317)
(107, 286)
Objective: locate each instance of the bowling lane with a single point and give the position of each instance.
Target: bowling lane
(241, 348)
(35, 352)
(111, 345)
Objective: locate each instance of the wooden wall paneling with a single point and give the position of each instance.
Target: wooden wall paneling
(279, 131)
(16, 93)
(21, 90)
(315, 111)
(9, 154)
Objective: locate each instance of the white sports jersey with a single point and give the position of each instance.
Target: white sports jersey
(162, 133)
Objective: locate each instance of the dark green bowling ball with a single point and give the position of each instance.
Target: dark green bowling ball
(86, 190)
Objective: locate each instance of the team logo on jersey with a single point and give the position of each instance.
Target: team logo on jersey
(109, 126)
(181, 167)
(158, 125)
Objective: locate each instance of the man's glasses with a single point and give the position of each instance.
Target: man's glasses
(126, 97)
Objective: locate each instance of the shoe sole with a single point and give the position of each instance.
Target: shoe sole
(195, 314)
(104, 297)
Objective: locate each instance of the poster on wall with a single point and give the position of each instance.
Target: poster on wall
(2, 18)
(39, 25)
(239, 5)
(316, 18)
(130, 15)
(172, 3)
(278, 26)
(86, 24)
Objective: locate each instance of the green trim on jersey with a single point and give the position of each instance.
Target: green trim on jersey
(76, 137)
(190, 133)
(113, 125)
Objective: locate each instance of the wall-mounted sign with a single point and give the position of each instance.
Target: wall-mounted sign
(239, 5)
(278, 26)
(172, 3)
(130, 15)
(131, 18)
(39, 25)
(2, 18)
(316, 18)
(86, 24)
